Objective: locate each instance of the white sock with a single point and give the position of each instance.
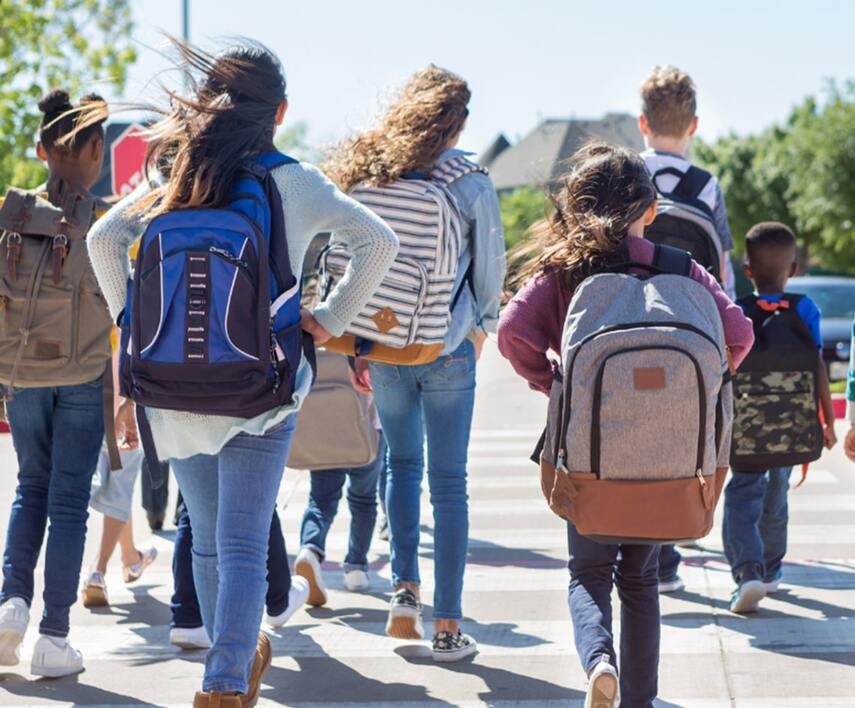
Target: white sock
(58, 642)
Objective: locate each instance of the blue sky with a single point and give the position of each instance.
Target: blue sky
(526, 60)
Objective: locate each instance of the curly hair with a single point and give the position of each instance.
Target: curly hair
(607, 189)
(668, 101)
(425, 116)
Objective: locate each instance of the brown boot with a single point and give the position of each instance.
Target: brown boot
(262, 661)
(217, 699)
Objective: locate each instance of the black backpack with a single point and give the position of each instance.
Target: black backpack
(776, 393)
(685, 222)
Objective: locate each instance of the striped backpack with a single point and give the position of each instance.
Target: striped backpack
(406, 320)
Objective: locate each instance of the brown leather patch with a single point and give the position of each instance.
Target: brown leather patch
(648, 379)
(386, 320)
(47, 350)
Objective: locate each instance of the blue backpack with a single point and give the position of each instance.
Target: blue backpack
(212, 321)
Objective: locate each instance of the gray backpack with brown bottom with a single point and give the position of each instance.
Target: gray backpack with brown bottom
(639, 428)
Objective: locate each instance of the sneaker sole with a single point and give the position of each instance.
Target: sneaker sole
(317, 595)
(54, 672)
(603, 692)
(10, 640)
(189, 646)
(749, 601)
(404, 626)
(93, 596)
(452, 656)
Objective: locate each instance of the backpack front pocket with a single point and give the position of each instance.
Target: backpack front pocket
(635, 384)
(49, 341)
(391, 316)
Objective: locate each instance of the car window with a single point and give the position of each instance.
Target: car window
(833, 300)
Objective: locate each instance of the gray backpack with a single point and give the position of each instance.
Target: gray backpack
(639, 428)
(336, 425)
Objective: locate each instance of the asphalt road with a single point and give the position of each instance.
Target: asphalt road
(798, 651)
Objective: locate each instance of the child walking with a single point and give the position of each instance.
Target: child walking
(228, 467)
(324, 497)
(430, 405)
(53, 393)
(600, 213)
(112, 496)
(668, 122)
(755, 503)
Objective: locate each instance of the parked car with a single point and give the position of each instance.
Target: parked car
(835, 297)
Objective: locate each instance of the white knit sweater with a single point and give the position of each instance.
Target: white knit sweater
(312, 205)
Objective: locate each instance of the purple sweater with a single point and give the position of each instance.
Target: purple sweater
(533, 322)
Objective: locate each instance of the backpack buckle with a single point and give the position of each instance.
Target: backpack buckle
(13, 253)
(60, 251)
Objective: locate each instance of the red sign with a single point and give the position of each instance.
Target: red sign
(127, 155)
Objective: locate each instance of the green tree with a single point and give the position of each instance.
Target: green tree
(293, 140)
(46, 44)
(801, 173)
(520, 209)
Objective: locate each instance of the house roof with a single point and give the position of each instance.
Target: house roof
(539, 158)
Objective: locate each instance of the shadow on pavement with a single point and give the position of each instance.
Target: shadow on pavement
(67, 690)
(325, 681)
(502, 685)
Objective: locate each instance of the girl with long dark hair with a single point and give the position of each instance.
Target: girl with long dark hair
(229, 469)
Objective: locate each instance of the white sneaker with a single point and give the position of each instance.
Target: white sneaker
(674, 585)
(189, 638)
(308, 566)
(747, 597)
(54, 657)
(14, 618)
(356, 580)
(297, 596)
(603, 687)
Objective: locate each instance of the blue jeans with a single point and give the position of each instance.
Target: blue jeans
(435, 401)
(755, 523)
(230, 497)
(185, 603)
(669, 562)
(594, 569)
(57, 433)
(324, 496)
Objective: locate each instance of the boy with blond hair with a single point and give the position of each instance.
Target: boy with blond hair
(668, 121)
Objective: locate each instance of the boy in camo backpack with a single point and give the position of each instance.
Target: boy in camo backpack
(777, 421)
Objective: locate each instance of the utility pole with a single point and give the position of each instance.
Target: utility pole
(185, 20)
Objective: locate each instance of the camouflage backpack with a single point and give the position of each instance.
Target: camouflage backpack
(776, 393)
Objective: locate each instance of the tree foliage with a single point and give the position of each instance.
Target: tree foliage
(801, 173)
(520, 209)
(47, 44)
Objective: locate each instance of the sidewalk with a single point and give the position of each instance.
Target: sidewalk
(799, 651)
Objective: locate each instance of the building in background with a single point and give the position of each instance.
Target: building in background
(539, 158)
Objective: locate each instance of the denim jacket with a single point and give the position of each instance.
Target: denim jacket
(482, 246)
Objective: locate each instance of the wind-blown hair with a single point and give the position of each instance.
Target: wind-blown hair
(427, 114)
(199, 145)
(606, 190)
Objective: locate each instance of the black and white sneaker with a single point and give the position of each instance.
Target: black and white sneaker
(405, 616)
(448, 647)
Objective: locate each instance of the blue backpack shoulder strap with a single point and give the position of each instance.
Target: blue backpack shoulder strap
(672, 260)
(255, 195)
